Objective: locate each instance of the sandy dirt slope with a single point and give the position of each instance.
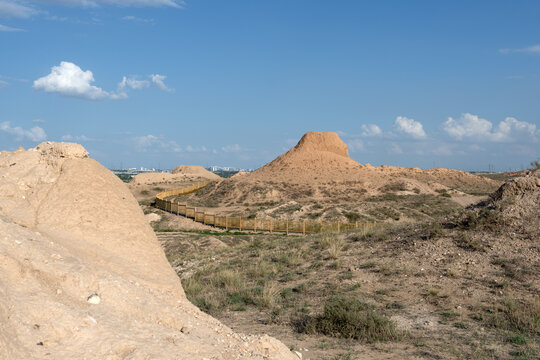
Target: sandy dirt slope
(194, 170)
(83, 276)
(179, 173)
(319, 168)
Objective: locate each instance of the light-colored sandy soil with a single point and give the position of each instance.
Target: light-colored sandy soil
(319, 168)
(83, 276)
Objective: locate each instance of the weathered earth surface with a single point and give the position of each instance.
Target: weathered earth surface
(83, 276)
(180, 173)
(319, 168)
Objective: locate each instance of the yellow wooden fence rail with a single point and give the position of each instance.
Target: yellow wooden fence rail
(246, 223)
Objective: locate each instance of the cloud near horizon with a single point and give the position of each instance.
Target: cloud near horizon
(410, 127)
(534, 49)
(68, 79)
(469, 126)
(36, 133)
(371, 130)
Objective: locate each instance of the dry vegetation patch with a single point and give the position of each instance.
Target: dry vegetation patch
(429, 285)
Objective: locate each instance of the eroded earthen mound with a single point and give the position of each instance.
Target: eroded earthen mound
(319, 168)
(519, 199)
(82, 273)
(180, 173)
(316, 152)
(194, 170)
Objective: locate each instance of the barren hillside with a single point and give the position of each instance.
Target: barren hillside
(463, 285)
(319, 172)
(83, 276)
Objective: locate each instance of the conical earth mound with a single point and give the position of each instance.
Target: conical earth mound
(316, 153)
(319, 168)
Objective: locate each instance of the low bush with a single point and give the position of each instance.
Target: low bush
(349, 318)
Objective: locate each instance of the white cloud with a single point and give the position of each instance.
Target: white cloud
(231, 148)
(192, 149)
(355, 145)
(371, 130)
(134, 83)
(410, 127)
(128, 82)
(3, 83)
(146, 141)
(395, 149)
(34, 134)
(9, 29)
(14, 9)
(69, 80)
(529, 49)
(158, 81)
(69, 137)
(467, 125)
(510, 127)
(472, 126)
(122, 3)
(443, 149)
(152, 143)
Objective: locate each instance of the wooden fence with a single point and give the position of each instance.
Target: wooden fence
(241, 223)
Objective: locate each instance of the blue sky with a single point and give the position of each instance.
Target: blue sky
(164, 82)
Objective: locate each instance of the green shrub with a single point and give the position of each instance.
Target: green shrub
(349, 318)
(352, 216)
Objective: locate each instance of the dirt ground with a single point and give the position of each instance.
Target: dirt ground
(456, 293)
(457, 283)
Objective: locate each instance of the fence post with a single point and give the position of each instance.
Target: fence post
(304, 227)
(195, 213)
(270, 225)
(255, 224)
(214, 220)
(357, 224)
(204, 217)
(240, 223)
(338, 226)
(226, 223)
(287, 227)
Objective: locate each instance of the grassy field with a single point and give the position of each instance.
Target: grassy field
(450, 288)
